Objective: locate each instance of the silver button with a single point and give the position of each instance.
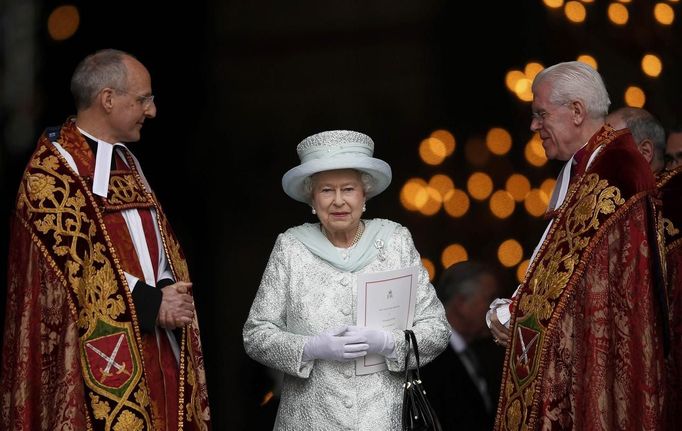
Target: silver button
(344, 255)
(345, 310)
(344, 281)
(348, 403)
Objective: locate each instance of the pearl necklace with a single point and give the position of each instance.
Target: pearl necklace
(356, 238)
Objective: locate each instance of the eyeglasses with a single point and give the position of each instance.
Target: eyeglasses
(145, 101)
(542, 115)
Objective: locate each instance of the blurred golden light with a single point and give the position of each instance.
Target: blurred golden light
(587, 1)
(430, 267)
(618, 13)
(521, 270)
(502, 204)
(518, 186)
(523, 85)
(635, 97)
(479, 185)
(625, 1)
(476, 152)
(446, 138)
(536, 202)
(414, 195)
(433, 202)
(525, 96)
(532, 69)
(63, 22)
(432, 151)
(452, 254)
(651, 65)
(664, 13)
(456, 203)
(442, 184)
(535, 154)
(575, 11)
(498, 141)
(553, 3)
(512, 77)
(588, 59)
(547, 186)
(510, 253)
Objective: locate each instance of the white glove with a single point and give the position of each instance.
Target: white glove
(334, 345)
(379, 341)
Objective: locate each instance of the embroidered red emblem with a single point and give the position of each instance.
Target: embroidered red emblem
(109, 359)
(527, 341)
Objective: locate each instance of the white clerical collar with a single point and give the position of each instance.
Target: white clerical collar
(105, 150)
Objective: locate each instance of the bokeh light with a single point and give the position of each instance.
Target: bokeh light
(456, 203)
(518, 186)
(414, 195)
(432, 151)
(664, 13)
(502, 204)
(510, 253)
(512, 77)
(635, 97)
(430, 267)
(534, 152)
(442, 184)
(554, 4)
(498, 141)
(452, 254)
(532, 69)
(618, 13)
(433, 202)
(479, 185)
(589, 60)
(523, 89)
(547, 186)
(652, 65)
(63, 22)
(446, 138)
(575, 11)
(536, 202)
(521, 270)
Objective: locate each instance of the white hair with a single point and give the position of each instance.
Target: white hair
(574, 80)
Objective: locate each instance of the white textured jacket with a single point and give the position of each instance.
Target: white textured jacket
(302, 295)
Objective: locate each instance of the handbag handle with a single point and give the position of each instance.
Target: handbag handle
(409, 336)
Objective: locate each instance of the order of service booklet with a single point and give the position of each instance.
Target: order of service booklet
(386, 300)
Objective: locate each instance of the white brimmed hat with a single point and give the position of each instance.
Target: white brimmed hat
(336, 149)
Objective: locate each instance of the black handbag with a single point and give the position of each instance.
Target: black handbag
(418, 415)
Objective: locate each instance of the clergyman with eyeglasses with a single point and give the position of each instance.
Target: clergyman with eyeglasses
(584, 331)
(101, 330)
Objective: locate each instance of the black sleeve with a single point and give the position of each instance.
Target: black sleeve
(147, 300)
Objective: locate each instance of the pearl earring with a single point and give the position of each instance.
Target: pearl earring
(364, 208)
(314, 212)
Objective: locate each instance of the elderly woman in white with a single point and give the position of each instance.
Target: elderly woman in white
(302, 319)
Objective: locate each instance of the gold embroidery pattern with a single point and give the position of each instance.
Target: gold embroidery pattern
(124, 190)
(593, 199)
(670, 228)
(176, 259)
(56, 206)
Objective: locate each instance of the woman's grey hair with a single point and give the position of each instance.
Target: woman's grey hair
(574, 80)
(366, 179)
(97, 71)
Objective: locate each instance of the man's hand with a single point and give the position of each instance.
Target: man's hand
(500, 332)
(177, 306)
